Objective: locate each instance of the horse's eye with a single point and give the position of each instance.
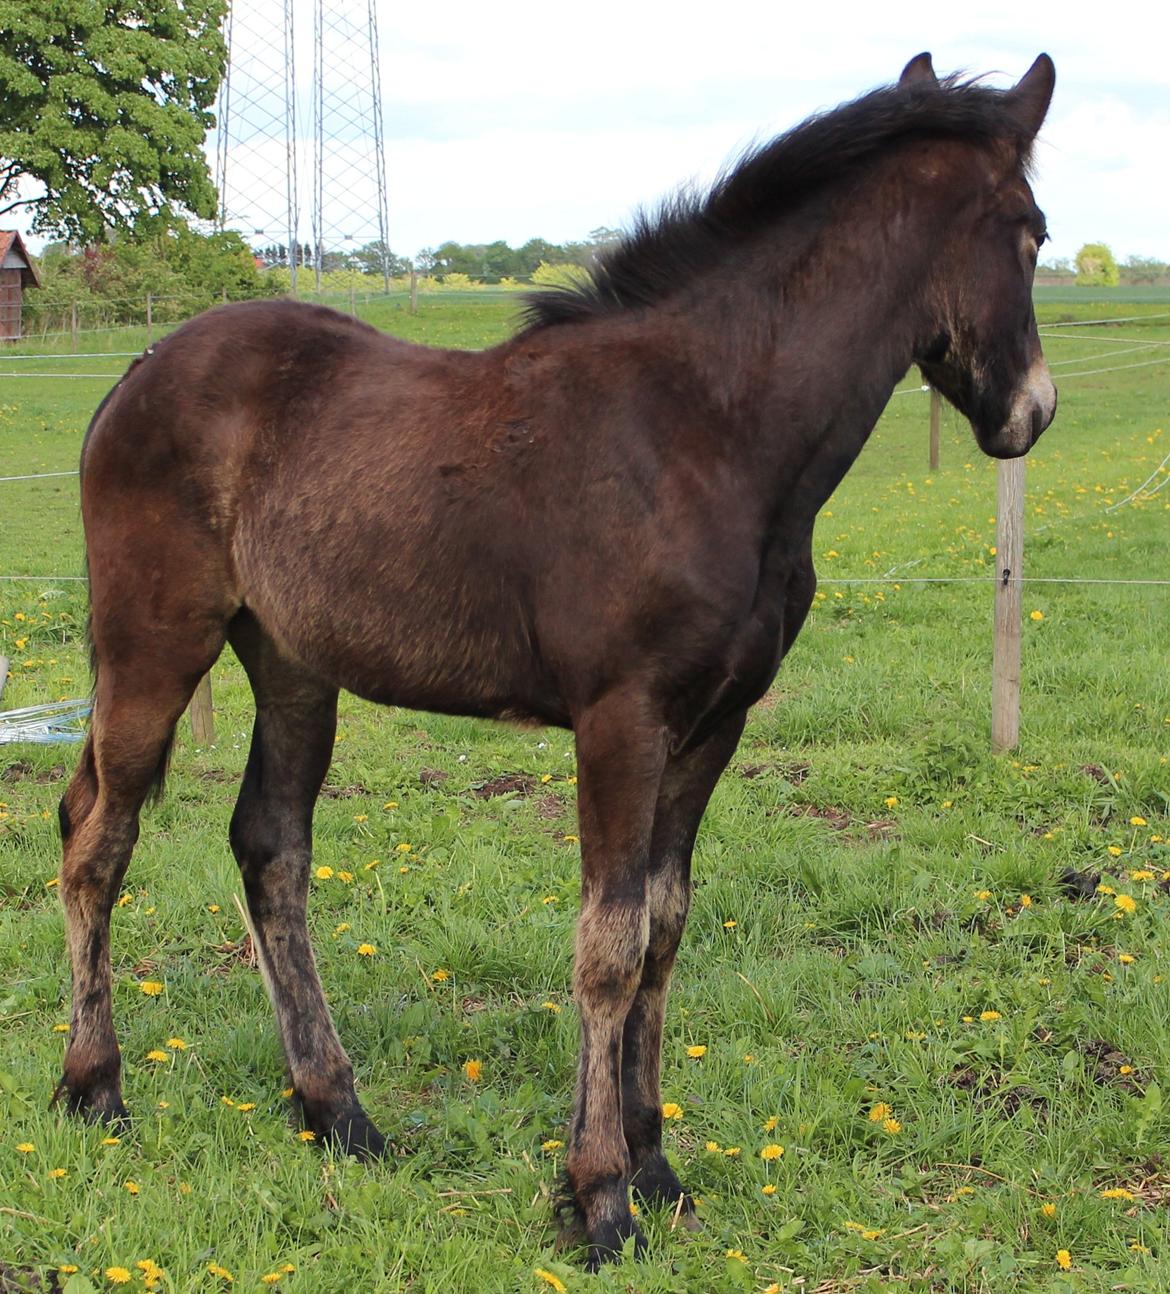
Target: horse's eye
(1041, 239)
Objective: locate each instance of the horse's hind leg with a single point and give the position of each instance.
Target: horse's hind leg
(271, 837)
(687, 783)
(136, 706)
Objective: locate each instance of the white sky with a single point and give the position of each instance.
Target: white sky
(526, 118)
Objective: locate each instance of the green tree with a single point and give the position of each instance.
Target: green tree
(105, 106)
(1096, 267)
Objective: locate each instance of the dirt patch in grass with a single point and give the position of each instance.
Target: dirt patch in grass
(989, 1090)
(794, 773)
(505, 784)
(240, 953)
(432, 776)
(1110, 1067)
(1079, 885)
(353, 792)
(22, 770)
(841, 820)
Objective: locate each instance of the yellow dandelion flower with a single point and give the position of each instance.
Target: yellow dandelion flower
(554, 1007)
(227, 1100)
(67, 1269)
(550, 898)
(1138, 822)
(403, 870)
(346, 878)
(324, 873)
(404, 848)
(769, 1125)
(1125, 1069)
(440, 975)
(1048, 1209)
(1036, 615)
(749, 1059)
(151, 1271)
(118, 1275)
(1126, 959)
(988, 1016)
(984, 895)
(732, 1152)
(132, 1188)
(286, 1092)
(633, 1209)
(57, 1173)
(549, 1278)
(551, 1145)
(1117, 1193)
(774, 1288)
(768, 1189)
(891, 1126)
(1115, 850)
(213, 907)
(366, 950)
(176, 1044)
(879, 1112)
(672, 1111)
(360, 817)
(696, 1053)
(1142, 874)
(713, 1147)
(1137, 1247)
(545, 778)
(158, 1056)
(737, 1255)
(729, 924)
(772, 1151)
(341, 928)
(222, 1272)
(270, 1278)
(25, 1147)
(1126, 904)
(287, 1268)
(60, 1028)
(246, 1107)
(1063, 1259)
(1025, 900)
(473, 1069)
(390, 804)
(306, 1134)
(891, 801)
(151, 987)
(163, 1105)
(571, 840)
(872, 1233)
(111, 1141)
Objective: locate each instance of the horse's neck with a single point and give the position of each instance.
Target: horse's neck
(804, 367)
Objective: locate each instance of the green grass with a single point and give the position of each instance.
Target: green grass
(870, 851)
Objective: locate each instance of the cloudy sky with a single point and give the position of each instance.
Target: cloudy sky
(526, 118)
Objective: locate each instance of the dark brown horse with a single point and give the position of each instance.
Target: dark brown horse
(604, 524)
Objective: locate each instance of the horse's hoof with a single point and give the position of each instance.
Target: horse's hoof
(100, 1105)
(606, 1240)
(354, 1134)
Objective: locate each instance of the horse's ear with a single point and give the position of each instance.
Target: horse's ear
(1029, 99)
(920, 68)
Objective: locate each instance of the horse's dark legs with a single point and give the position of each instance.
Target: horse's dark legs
(620, 754)
(687, 783)
(137, 703)
(271, 837)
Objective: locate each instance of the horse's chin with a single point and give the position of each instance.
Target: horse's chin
(1031, 412)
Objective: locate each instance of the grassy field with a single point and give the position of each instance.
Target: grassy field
(934, 976)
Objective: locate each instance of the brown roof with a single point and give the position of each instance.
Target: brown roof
(10, 240)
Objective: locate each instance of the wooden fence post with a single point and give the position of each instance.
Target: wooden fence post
(935, 415)
(149, 318)
(414, 292)
(202, 716)
(352, 301)
(73, 325)
(1009, 565)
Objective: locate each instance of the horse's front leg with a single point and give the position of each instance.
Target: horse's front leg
(620, 755)
(687, 783)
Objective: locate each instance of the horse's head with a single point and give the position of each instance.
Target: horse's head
(981, 348)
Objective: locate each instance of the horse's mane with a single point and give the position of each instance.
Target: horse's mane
(691, 232)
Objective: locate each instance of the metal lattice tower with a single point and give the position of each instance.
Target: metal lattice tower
(255, 154)
(349, 160)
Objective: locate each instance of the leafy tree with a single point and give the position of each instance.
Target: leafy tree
(105, 107)
(369, 260)
(1096, 266)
